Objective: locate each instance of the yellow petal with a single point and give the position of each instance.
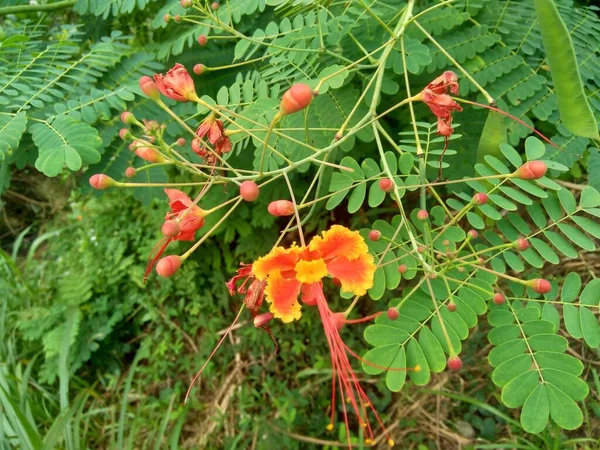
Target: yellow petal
(311, 271)
(339, 241)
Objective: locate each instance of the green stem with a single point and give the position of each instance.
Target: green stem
(36, 8)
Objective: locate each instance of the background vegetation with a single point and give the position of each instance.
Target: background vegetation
(93, 358)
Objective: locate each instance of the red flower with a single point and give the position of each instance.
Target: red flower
(435, 95)
(211, 130)
(176, 84)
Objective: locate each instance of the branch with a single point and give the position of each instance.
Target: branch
(36, 8)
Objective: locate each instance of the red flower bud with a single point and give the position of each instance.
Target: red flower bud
(186, 3)
(480, 198)
(296, 98)
(127, 117)
(176, 84)
(215, 6)
(130, 172)
(170, 229)
(531, 170)
(101, 181)
(168, 266)
(374, 235)
(402, 268)
(249, 191)
(148, 87)
(198, 69)
(177, 18)
(124, 133)
(149, 154)
(454, 363)
(472, 234)
(262, 319)
(499, 298)
(451, 307)
(202, 40)
(167, 18)
(336, 282)
(181, 142)
(280, 208)
(421, 249)
(386, 185)
(540, 285)
(393, 313)
(422, 215)
(338, 320)
(522, 244)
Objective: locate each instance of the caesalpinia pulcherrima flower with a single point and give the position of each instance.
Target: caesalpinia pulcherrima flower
(211, 129)
(435, 95)
(176, 84)
(294, 274)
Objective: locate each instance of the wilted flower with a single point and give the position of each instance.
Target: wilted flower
(211, 130)
(435, 95)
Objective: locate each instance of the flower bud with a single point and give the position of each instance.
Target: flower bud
(198, 69)
(402, 268)
(101, 181)
(296, 98)
(480, 198)
(130, 172)
(421, 249)
(168, 266)
(124, 133)
(393, 313)
(177, 18)
(499, 298)
(181, 142)
(522, 244)
(540, 285)
(170, 229)
(472, 234)
(186, 3)
(454, 363)
(148, 87)
(262, 319)
(531, 170)
(336, 282)
(149, 154)
(202, 40)
(422, 215)
(215, 6)
(451, 307)
(338, 320)
(374, 235)
(386, 185)
(249, 191)
(167, 18)
(127, 117)
(280, 208)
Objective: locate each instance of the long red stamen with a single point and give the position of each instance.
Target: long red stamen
(363, 319)
(163, 243)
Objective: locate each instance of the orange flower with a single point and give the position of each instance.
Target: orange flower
(435, 95)
(339, 252)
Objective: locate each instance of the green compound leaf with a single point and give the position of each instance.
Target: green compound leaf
(65, 142)
(534, 416)
(11, 130)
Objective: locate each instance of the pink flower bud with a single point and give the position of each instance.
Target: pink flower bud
(422, 215)
(149, 154)
(499, 298)
(101, 181)
(202, 40)
(451, 307)
(167, 18)
(522, 244)
(393, 313)
(262, 319)
(338, 320)
(540, 285)
(215, 6)
(454, 363)
(148, 87)
(127, 117)
(199, 69)
(177, 18)
(374, 235)
(402, 268)
(480, 198)
(280, 208)
(181, 142)
(386, 185)
(130, 172)
(124, 133)
(296, 98)
(421, 249)
(168, 266)
(170, 229)
(186, 3)
(472, 234)
(249, 191)
(531, 170)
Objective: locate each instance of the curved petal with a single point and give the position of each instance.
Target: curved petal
(311, 271)
(178, 200)
(282, 294)
(279, 258)
(339, 241)
(356, 276)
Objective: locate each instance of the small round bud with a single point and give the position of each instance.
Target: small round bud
(338, 136)
(454, 363)
(149, 154)
(421, 249)
(181, 142)
(198, 69)
(186, 3)
(531, 170)
(148, 87)
(202, 40)
(393, 313)
(522, 244)
(402, 268)
(262, 319)
(168, 266)
(446, 242)
(249, 191)
(422, 215)
(451, 307)
(480, 198)
(374, 235)
(101, 181)
(124, 133)
(177, 18)
(472, 234)
(338, 320)
(540, 285)
(296, 98)
(127, 117)
(130, 172)
(461, 269)
(280, 208)
(499, 298)
(170, 229)
(167, 18)
(215, 6)
(386, 185)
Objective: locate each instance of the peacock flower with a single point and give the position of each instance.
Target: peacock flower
(211, 130)
(176, 84)
(435, 95)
